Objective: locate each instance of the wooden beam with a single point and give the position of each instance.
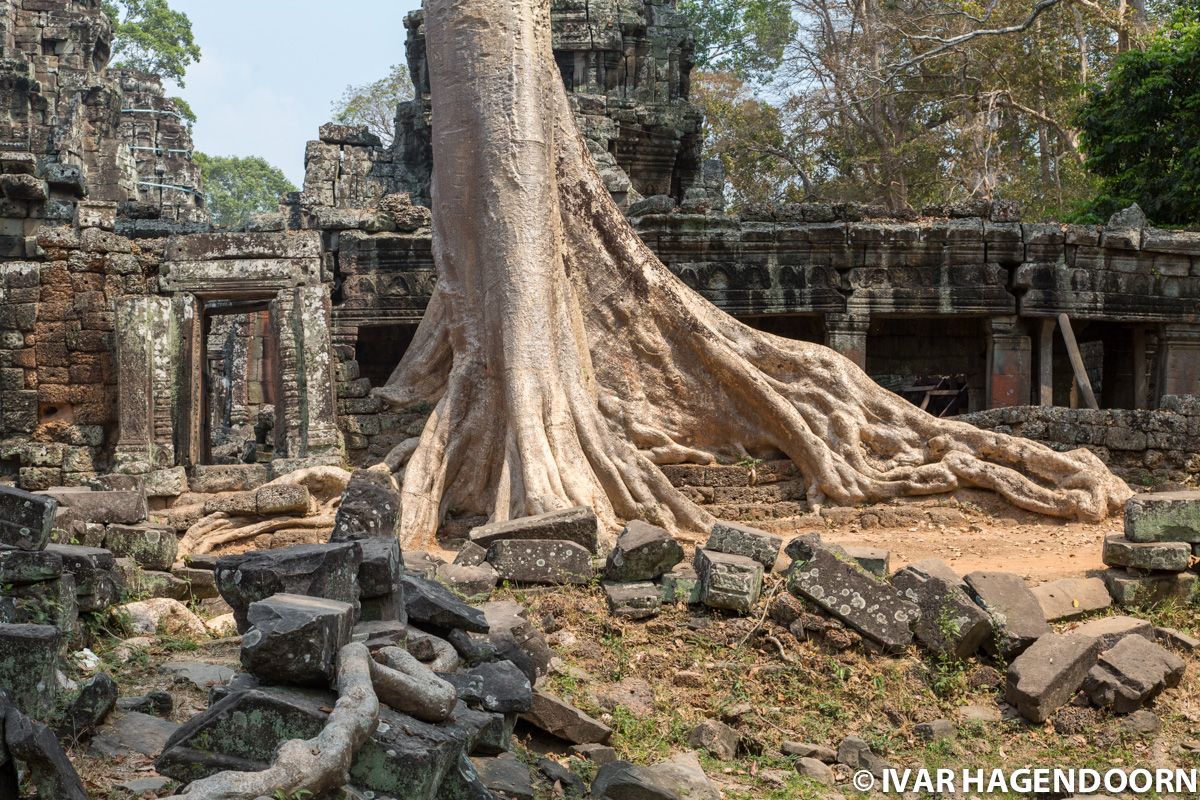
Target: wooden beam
(1081, 376)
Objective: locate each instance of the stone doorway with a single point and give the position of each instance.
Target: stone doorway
(239, 383)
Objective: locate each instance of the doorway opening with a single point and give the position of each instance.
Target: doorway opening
(239, 382)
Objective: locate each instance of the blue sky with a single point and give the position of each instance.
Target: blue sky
(270, 69)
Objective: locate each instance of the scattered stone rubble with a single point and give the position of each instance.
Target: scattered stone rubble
(455, 679)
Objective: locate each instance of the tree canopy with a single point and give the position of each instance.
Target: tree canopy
(909, 103)
(150, 36)
(374, 104)
(237, 188)
(1139, 129)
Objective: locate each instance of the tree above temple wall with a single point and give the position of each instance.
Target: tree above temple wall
(150, 36)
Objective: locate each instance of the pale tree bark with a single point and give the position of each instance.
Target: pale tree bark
(564, 363)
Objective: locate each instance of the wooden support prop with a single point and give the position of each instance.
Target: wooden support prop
(1081, 376)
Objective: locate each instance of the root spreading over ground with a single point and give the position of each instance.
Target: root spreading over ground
(564, 363)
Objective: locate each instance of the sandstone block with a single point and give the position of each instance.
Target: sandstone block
(1163, 516)
(875, 609)
(28, 661)
(565, 721)
(1016, 614)
(728, 581)
(643, 552)
(1148, 556)
(632, 600)
(315, 570)
(1131, 673)
(152, 547)
(25, 519)
(578, 525)
(1069, 598)
(950, 621)
(295, 639)
(1048, 673)
(742, 540)
(546, 561)
(1133, 589)
(370, 507)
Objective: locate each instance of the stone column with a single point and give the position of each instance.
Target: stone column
(1046, 362)
(1009, 359)
(847, 334)
(1179, 359)
(145, 379)
(305, 421)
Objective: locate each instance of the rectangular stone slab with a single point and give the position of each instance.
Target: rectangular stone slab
(25, 519)
(742, 540)
(1130, 588)
(108, 507)
(541, 561)
(1043, 678)
(1148, 556)
(1069, 598)
(29, 566)
(873, 608)
(1163, 517)
(578, 525)
(950, 621)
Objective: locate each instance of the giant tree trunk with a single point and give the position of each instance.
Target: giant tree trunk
(564, 362)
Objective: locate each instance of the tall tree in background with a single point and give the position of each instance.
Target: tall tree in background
(237, 188)
(1140, 130)
(150, 36)
(374, 104)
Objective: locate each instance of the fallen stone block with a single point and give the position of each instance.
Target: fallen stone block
(1016, 614)
(563, 720)
(935, 730)
(875, 609)
(1070, 598)
(28, 660)
(742, 540)
(939, 568)
(133, 732)
(370, 508)
(276, 499)
(511, 635)
(856, 754)
(505, 776)
(563, 782)
(18, 567)
(1177, 640)
(683, 773)
(950, 621)
(379, 571)
(1133, 672)
(201, 583)
(680, 585)
(643, 552)
(803, 546)
(26, 519)
(578, 525)
(315, 570)
(807, 750)
(1135, 589)
(720, 740)
(1048, 674)
(621, 780)
(470, 555)
(50, 771)
(430, 604)
(1163, 517)
(160, 614)
(1148, 556)
(214, 478)
(728, 581)
(1110, 630)
(541, 561)
(874, 560)
(504, 688)
(201, 674)
(152, 547)
(632, 600)
(125, 508)
(45, 603)
(295, 639)
(468, 581)
(96, 699)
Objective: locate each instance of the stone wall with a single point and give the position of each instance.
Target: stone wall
(1145, 447)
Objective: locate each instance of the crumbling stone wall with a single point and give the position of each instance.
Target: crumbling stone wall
(1146, 447)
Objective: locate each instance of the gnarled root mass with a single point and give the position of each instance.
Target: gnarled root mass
(564, 363)
(315, 765)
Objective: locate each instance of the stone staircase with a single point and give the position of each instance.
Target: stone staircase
(770, 494)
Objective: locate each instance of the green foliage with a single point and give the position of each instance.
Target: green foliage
(746, 37)
(236, 188)
(150, 36)
(1139, 130)
(184, 108)
(374, 104)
